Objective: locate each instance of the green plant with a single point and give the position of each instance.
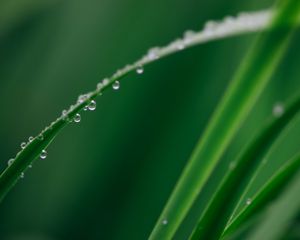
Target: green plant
(237, 102)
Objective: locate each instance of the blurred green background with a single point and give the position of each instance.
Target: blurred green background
(110, 176)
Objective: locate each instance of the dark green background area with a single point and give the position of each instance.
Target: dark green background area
(110, 176)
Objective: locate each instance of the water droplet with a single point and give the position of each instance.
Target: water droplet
(22, 175)
(105, 81)
(140, 70)
(30, 139)
(232, 165)
(165, 222)
(179, 45)
(248, 201)
(153, 53)
(82, 98)
(23, 145)
(77, 118)
(99, 86)
(40, 137)
(116, 85)
(43, 154)
(10, 161)
(85, 108)
(210, 25)
(278, 110)
(92, 105)
(30, 165)
(188, 36)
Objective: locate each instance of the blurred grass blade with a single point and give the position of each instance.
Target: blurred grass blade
(246, 87)
(266, 195)
(281, 213)
(250, 22)
(212, 223)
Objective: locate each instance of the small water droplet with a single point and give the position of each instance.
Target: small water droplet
(232, 165)
(40, 137)
(153, 53)
(85, 108)
(278, 110)
(99, 86)
(105, 81)
(30, 139)
(165, 222)
(77, 118)
(30, 165)
(22, 175)
(23, 145)
(140, 70)
(43, 154)
(248, 201)
(92, 105)
(188, 36)
(10, 161)
(180, 45)
(116, 85)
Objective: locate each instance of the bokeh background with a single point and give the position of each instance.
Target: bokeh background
(110, 176)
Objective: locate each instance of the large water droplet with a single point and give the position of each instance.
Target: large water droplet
(140, 70)
(77, 118)
(43, 154)
(92, 105)
(278, 110)
(23, 145)
(116, 85)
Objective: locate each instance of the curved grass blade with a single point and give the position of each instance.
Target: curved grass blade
(280, 214)
(266, 195)
(247, 85)
(214, 219)
(245, 23)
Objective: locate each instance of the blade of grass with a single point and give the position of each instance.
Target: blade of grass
(213, 221)
(238, 100)
(245, 23)
(280, 214)
(270, 191)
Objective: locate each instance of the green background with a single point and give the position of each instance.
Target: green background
(110, 176)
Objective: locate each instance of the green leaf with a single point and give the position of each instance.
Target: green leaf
(244, 90)
(33, 149)
(213, 221)
(270, 191)
(280, 214)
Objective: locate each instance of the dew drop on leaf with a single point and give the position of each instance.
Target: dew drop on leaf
(10, 161)
(140, 70)
(43, 154)
(278, 110)
(116, 85)
(77, 118)
(92, 105)
(23, 145)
